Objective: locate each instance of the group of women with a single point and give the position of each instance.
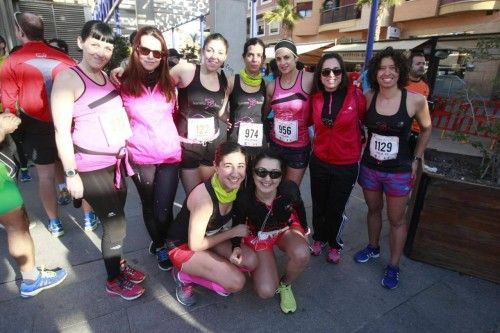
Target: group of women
(227, 225)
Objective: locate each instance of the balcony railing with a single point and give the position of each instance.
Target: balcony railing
(339, 14)
(445, 2)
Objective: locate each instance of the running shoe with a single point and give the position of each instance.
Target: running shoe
(183, 291)
(25, 176)
(56, 228)
(90, 222)
(391, 278)
(316, 248)
(130, 273)
(47, 279)
(333, 256)
(152, 249)
(367, 253)
(287, 303)
(64, 197)
(124, 288)
(164, 262)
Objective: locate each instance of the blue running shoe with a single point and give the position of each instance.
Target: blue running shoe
(367, 253)
(90, 222)
(183, 291)
(391, 278)
(56, 228)
(46, 280)
(25, 176)
(164, 262)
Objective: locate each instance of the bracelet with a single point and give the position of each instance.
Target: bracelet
(416, 158)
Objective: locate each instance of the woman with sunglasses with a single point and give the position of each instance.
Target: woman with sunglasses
(387, 166)
(289, 98)
(201, 120)
(148, 95)
(273, 210)
(338, 108)
(246, 100)
(91, 132)
(203, 229)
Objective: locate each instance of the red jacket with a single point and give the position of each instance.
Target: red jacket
(27, 77)
(340, 144)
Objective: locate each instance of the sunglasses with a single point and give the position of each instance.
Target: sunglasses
(17, 22)
(145, 52)
(326, 72)
(262, 173)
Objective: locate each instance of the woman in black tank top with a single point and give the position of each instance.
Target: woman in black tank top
(387, 167)
(202, 231)
(246, 100)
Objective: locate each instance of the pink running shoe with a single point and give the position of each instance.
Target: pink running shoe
(124, 288)
(132, 274)
(333, 256)
(316, 248)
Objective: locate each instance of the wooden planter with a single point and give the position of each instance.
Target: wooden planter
(455, 225)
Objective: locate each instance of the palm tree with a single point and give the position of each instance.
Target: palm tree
(382, 6)
(286, 13)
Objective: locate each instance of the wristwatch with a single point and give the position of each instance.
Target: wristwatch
(70, 173)
(416, 158)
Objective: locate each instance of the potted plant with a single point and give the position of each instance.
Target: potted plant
(454, 213)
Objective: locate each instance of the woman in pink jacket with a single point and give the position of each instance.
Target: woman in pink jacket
(149, 98)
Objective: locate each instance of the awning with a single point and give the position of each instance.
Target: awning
(309, 53)
(378, 46)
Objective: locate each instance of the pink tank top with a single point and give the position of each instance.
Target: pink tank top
(292, 109)
(100, 126)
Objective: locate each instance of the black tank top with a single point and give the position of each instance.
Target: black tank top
(246, 107)
(178, 232)
(196, 101)
(387, 149)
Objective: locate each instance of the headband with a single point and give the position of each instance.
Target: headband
(286, 44)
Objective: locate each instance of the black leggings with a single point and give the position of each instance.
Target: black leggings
(108, 203)
(157, 185)
(331, 186)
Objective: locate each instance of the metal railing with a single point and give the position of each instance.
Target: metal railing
(339, 14)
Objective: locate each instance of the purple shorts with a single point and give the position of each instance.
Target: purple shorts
(393, 184)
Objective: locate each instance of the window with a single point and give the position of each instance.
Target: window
(261, 28)
(274, 28)
(304, 9)
(265, 2)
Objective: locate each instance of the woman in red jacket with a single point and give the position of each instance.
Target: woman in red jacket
(338, 107)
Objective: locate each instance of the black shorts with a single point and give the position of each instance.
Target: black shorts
(295, 158)
(194, 154)
(39, 140)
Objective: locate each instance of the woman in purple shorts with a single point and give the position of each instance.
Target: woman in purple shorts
(387, 166)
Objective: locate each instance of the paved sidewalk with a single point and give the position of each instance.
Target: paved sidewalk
(331, 298)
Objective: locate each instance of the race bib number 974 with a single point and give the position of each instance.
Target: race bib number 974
(250, 134)
(384, 148)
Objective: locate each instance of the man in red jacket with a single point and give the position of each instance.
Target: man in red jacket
(27, 77)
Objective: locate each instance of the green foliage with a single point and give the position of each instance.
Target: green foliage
(191, 52)
(121, 52)
(286, 13)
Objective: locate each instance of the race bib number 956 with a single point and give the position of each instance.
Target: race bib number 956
(286, 131)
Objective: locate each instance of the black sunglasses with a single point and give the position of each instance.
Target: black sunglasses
(262, 173)
(326, 72)
(145, 52)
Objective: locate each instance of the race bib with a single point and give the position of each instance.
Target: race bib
(286, 130)
(201, 129)
(250, 134)
(384, 148)
(116, 127)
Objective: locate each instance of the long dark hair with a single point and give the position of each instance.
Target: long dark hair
(400, 62)
(226, 148)
(218, 36)
(135, 73)
(344, 82)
